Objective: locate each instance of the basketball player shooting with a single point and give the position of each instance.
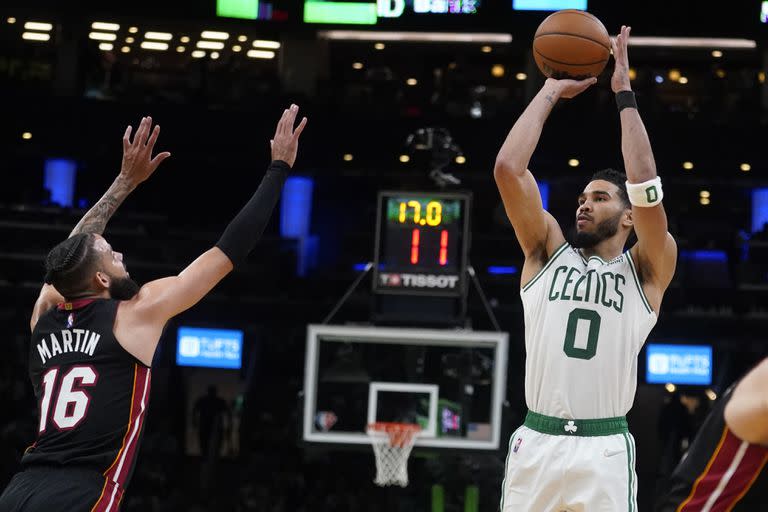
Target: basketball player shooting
(94, 334)
(589, 306)
(724, 467)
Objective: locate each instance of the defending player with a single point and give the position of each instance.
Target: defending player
(724, 467)
(94, 334)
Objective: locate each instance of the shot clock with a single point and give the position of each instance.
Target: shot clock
(421, 243)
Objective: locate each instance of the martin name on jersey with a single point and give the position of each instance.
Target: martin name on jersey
(68, 340)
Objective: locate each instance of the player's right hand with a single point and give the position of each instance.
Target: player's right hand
(285, 143)
(571, 88)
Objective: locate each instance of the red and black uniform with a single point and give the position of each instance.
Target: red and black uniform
(719, 473)
(92, 398)
(92, 395)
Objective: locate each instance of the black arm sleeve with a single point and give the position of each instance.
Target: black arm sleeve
(246, 228)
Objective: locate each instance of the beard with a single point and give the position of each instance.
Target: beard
(123, 288)
(606, 229)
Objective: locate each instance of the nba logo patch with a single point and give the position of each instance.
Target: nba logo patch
(325, 420)
(70, 320)
(517, 444)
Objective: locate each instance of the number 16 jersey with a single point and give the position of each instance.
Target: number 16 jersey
(92, 395)
(585, 323)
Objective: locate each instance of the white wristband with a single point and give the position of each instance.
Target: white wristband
(645, 194)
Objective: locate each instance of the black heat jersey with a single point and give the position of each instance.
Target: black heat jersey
(92, 395)
(720, 471)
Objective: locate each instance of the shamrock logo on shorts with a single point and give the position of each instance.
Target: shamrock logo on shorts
(571, 427)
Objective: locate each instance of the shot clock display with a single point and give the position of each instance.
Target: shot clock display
(411, 220)
(421, 243)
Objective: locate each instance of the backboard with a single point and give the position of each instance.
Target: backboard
(449, 382)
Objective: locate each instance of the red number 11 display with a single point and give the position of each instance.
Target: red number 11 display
(415, 240)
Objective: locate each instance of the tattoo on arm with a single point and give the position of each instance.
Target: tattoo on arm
(97, 217)
(549, 98)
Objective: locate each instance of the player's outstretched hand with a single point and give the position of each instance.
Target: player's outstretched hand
(285, 143)
(138, 164)
(620, 79)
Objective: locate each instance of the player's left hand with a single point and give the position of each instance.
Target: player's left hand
(138, 164)
(620, 79)
(285, 143)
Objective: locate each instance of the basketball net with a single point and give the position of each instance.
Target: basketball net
(392, 444)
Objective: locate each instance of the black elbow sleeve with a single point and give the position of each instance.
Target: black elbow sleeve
(246, 228)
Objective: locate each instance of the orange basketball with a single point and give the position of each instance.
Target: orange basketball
(571, 44)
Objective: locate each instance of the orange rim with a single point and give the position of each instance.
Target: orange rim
(400, 434)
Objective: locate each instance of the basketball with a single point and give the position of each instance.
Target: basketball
(571, 44)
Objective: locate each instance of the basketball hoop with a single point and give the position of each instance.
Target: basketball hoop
(392, 444)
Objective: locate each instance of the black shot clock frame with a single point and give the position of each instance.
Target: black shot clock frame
(421, 257)
(422, 242)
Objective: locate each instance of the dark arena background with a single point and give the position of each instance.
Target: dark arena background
(389, 258)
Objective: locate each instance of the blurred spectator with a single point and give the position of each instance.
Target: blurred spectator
(212, 419)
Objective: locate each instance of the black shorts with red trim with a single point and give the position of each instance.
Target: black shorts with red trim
(54, 489)
(732, 480)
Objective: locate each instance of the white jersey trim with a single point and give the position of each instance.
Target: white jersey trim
(540, 273)
(637, 282)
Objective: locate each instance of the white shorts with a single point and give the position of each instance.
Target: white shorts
(569, 473)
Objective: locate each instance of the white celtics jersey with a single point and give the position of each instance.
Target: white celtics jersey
(585, 323)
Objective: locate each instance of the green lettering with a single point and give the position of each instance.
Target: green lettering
(553, 295)
(609, 303)
(589, 284)
(597, 291)
(568, 280)
(576, 289)
(619, 306)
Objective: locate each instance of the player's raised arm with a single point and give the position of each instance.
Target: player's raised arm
(656, 250)
(162, 299)
(536, 230)
(137, 165)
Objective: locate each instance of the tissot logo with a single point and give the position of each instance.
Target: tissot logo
(418, 280)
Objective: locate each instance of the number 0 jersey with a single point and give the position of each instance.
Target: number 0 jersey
(585, 323)
(92, 395)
